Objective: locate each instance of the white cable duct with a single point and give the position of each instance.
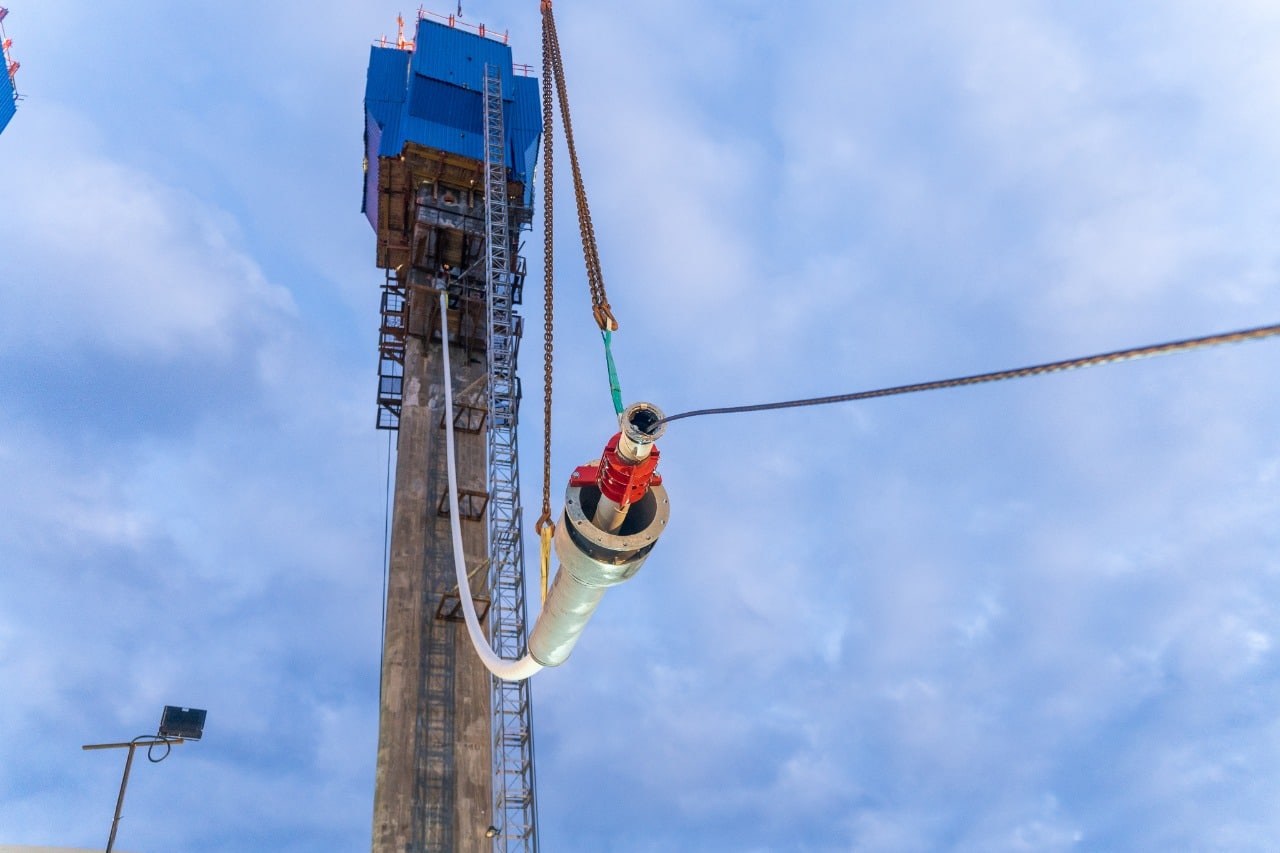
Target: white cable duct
(508, 670)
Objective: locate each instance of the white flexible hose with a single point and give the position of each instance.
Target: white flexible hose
(507, 670)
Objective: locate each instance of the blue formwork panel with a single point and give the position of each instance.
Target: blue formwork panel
(432, 97)
(8, 101)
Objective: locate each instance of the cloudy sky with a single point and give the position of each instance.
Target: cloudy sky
(1040, 615)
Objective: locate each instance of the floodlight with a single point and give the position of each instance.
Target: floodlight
(185, 723)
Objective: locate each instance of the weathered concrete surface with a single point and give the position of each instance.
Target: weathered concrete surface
(434, 785)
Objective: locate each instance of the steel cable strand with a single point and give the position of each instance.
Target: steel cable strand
(1169, 348)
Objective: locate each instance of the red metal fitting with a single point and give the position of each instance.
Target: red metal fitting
(620, 481)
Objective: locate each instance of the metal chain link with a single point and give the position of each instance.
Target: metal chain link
(548, 268)
(600, 309)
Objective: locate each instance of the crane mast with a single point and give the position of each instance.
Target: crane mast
(514, 805)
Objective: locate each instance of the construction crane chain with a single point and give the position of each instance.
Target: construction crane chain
(600, 309)
(548, 274)
(545, 527)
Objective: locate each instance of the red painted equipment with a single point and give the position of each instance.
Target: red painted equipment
(620, 481)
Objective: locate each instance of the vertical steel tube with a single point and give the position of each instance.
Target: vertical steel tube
(609, 515)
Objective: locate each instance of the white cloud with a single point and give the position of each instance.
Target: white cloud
(102, 254)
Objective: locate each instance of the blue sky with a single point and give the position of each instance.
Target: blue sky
(1034, 616)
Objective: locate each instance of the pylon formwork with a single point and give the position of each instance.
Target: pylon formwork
(450, 144)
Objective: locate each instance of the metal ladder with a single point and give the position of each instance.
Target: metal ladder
(433, 821)
(514, 807)
(391, 346)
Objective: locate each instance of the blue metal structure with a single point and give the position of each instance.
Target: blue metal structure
(8, 101)
(8, 68)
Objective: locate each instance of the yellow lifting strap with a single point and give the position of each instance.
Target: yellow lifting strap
(545, 536)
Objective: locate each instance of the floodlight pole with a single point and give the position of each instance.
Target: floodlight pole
(142, 740)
